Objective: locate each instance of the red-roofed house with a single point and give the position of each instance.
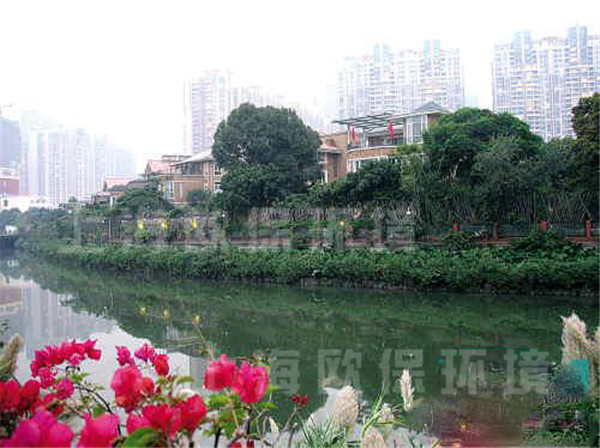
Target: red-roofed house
(156, 167)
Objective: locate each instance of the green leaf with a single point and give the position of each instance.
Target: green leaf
(218, 401)
(141, 438)
(266, 405)
(98, 411)
(228, 427)
(271, 388)
(184, 379)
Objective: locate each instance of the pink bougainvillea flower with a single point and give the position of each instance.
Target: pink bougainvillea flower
(127, 384)
(163, 418)
(30, 394)
(51, 403)
(124, 356)
(47, 378)
(55, 354)
(72, 351)
(75, 359)
(136, 422)
(192, 411)
(64, 389)
(27, 433)
(220, 374)
(146, 353)
(41, 431)
(250, 383)
(60, 353)
(147, 386)
(91, 351)
(10, 396)
(99, 432)
(161, 365)
(34, 367)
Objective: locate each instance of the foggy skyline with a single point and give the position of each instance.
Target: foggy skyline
(119, 67)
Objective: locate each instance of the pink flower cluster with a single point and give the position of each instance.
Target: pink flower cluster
(249, 382)
(41, 430)
(30, 413)
(72, 352)
(135, 393)
(131, 387)
(15, 399)
(169, 420)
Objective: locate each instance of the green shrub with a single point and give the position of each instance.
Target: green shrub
(359, 224)
(539, 239)
(299, 238)
(457, 240)
(175, 232)
(177, 212)
(143, 236)
(472, 269)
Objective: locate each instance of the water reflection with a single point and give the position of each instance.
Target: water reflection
(321, 338)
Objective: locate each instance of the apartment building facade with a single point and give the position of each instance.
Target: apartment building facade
(540, 81)
(396, 82)
(210, 98)
(64, 163)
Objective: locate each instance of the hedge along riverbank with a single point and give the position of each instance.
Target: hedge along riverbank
(484, 269)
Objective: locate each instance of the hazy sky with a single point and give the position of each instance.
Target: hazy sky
(118, 66)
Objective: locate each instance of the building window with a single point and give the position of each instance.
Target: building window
(216, 170)
(168, 190)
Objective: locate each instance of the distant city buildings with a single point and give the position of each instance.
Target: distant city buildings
(10, 143)
(53, 163)
(400, 82)
(210, 98)
(540, 81)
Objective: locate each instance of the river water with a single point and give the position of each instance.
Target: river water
(478, 361)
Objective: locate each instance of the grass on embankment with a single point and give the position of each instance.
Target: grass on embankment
(490, 269)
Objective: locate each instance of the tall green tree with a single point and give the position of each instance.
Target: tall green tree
(502, 176)
(586, 123)
(9, 217)
(375, 181)
(137, 201)
(454, 141)
(272, 148)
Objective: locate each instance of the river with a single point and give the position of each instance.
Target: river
(460, 348)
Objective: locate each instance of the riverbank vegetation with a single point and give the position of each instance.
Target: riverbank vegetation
(475, 168)
(532, 265)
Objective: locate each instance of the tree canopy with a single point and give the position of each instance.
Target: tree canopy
(269, 147)
(142, 200)
(586, 123)
(375, 181)
(454, 141)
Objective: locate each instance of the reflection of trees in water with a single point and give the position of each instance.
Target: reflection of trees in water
(239, 319)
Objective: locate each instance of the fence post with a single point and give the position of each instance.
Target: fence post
(495, 232)
(588, 229)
